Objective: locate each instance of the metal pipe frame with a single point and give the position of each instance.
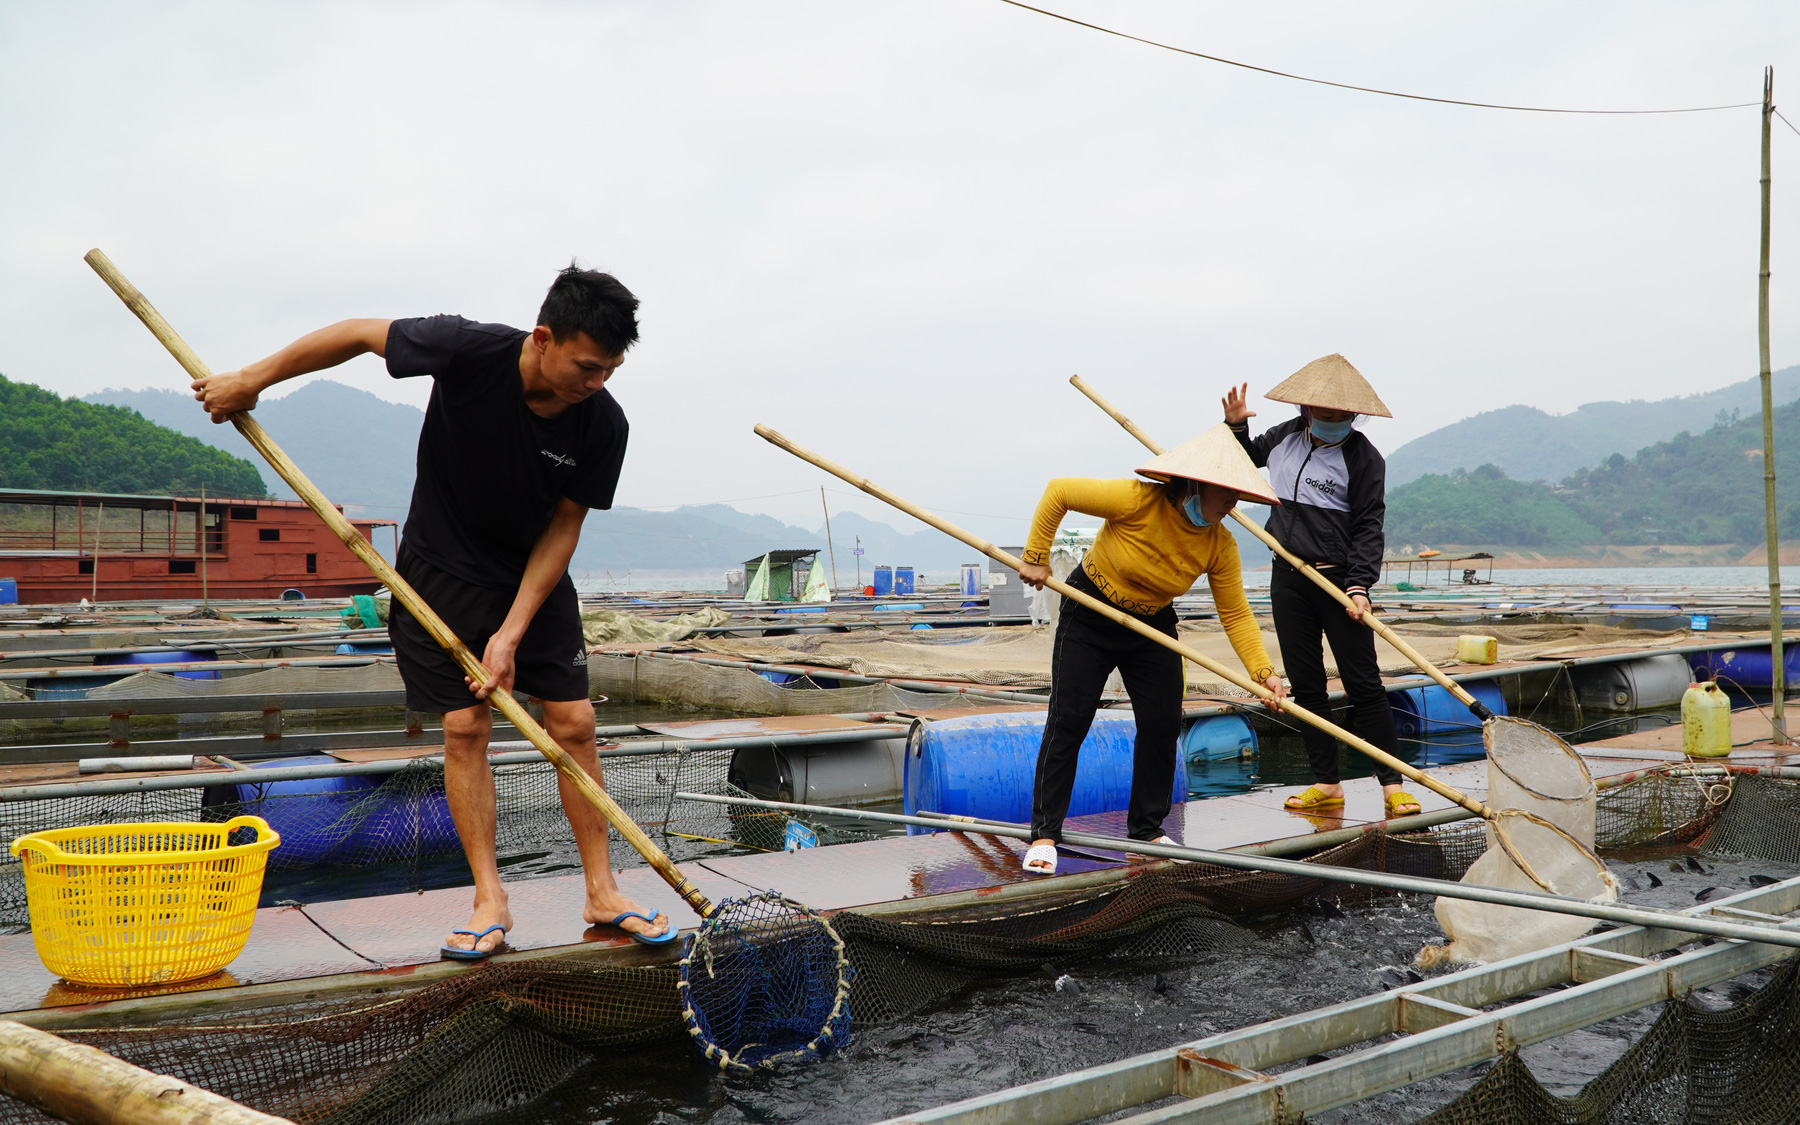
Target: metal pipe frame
(208, 779)
(123, 670)
(265, 640)
(1223, 1077)
(1745, 929)
(851, 677)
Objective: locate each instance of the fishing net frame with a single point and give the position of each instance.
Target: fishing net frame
(733, 943)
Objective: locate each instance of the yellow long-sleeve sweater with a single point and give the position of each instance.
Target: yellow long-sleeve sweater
(1148, 553)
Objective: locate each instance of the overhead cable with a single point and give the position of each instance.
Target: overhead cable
(1365, 89)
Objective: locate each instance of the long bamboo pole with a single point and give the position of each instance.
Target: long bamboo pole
(86, 1086)
(1777, 655)
(1114, 614)
(502, 700)
(1381, 628)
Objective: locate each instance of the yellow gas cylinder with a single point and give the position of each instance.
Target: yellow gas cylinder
(1705, 721)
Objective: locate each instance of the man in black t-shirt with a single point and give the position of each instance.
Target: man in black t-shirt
(520, 440)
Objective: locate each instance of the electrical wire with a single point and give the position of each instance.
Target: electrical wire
(1368, 89)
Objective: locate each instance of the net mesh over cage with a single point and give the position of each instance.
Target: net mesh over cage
(764, 981)
(515, 1038)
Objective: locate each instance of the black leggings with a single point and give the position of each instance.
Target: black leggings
(1304, 616)
(1088, 648)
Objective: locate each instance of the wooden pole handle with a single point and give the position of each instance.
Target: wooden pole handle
(1480, 709)
(1115, 614)
(87, 1086)
(403, 593)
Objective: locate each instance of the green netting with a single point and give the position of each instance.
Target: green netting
(1695, 1066)
(507, 1035)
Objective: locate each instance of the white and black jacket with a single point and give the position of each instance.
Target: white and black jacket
(1333, 499)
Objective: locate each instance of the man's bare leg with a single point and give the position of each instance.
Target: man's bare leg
(571, 724)
(469, 788)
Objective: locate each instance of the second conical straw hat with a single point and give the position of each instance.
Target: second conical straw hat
(1331, 382)
(1216, 458)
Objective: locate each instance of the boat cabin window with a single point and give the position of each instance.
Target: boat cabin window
(181, 566)
(243, 513)
(268, 534)
(84, 566)
(312, 564)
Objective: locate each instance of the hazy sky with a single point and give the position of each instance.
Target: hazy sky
(893, 230)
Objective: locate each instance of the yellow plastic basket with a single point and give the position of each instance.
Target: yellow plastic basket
(131, 904)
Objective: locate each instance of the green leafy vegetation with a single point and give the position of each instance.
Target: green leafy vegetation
(1691, 489)
(47, 442)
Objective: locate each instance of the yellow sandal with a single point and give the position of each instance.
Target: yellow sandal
(1401, 803)
(1312, 798)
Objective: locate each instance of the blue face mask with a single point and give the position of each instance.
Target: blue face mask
(1331, 432)
(1190, 507)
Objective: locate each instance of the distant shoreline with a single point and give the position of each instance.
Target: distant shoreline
(1615, 555)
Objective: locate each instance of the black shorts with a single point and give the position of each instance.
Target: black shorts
(551, 663)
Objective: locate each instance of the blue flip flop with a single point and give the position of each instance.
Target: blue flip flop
(664, 938)
(456, 954)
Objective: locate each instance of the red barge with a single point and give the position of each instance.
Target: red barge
(64, 546)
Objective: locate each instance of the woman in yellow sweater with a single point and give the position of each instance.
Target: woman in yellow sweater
(1159, 537)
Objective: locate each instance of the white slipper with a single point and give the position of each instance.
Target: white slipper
(1040, 853)
(1172, 844)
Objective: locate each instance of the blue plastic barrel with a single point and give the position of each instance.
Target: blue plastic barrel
(1220, 756)
(1433, 714)
(883, 581)
(9, 591)
(903, 580)
(182, 657)
(1745, 668)
(364, 650)
(1216, 737)
(328, 819)
(984, 765)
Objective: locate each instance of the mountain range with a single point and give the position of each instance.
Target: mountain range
(1526, 443)
(359, 449)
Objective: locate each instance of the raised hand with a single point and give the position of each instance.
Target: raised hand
(1237, 404)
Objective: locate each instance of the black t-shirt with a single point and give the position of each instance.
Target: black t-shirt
(491, 471)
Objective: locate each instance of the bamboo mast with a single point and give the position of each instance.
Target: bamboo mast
(95, 599)
(200, 526)
(829, 545)
(1777, 656)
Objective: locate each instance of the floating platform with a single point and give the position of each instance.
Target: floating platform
(380, 944)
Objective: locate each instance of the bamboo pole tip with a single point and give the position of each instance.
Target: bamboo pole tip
(767, 434)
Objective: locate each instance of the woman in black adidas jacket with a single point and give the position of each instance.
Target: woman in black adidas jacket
(1332, 484)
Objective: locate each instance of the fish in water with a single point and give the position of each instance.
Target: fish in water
(1069, 984)
(1395, 978)
(1090, 1028)
(1705, 893)
(1329, 909)
(1762, 881)
(1654, 881)
(1162, 987)
(1694, 866)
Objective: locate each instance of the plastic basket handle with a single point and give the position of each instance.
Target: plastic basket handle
(263, 831)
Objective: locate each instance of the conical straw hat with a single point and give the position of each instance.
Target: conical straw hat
(1216, 458)
(1331, 382)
